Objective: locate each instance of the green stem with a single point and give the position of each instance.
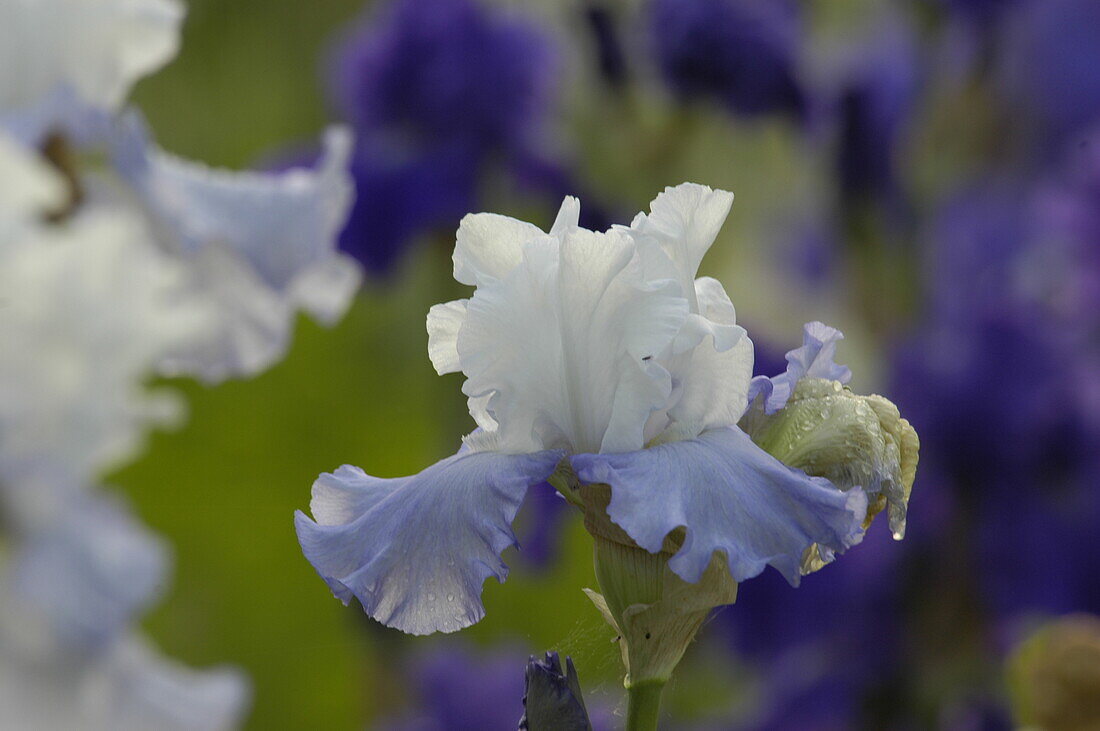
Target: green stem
(643, 705)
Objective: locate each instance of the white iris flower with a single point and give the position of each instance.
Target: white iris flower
(597, 358)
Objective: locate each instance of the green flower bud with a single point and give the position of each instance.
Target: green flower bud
(828, 431)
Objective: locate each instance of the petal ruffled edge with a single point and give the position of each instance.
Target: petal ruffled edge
(444, 322)
(416, 550)
(488, 245)
(686, 219)
(730, 496)
(814, 359)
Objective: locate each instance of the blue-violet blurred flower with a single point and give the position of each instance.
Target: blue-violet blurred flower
(1047, 69)
(741, 53)
(435, 90)
(875, 101)
(432, 72)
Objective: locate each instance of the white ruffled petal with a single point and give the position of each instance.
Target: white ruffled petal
(683, 222)
(97, 47)
(568, 218)
(444, 322)
(565, 345)
(716, 375)
(489, 245)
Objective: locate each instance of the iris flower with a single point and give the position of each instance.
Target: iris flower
(590, 358)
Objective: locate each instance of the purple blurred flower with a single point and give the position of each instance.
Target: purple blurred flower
(977, 12)
(976, 242)
(458, 689)
(440, 72)
(741, 53)
(436, 90)
(540, 174)
(1069, 211)
(1003, 427)
(1050, 69)
(820, 658)
(997, 382)
(874, 105)
(398, 199)
(538, 523)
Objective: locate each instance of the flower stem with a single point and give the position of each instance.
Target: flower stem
(643, 705)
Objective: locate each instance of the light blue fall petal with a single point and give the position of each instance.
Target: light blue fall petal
(416, 550)
(814, 359)
(730, 496)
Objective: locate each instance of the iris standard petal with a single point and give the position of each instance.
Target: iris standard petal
(489, 245)
(730, 496)
(566, 345)
(714, 377)
(416, 550)
(814, 359)
(683, 222)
